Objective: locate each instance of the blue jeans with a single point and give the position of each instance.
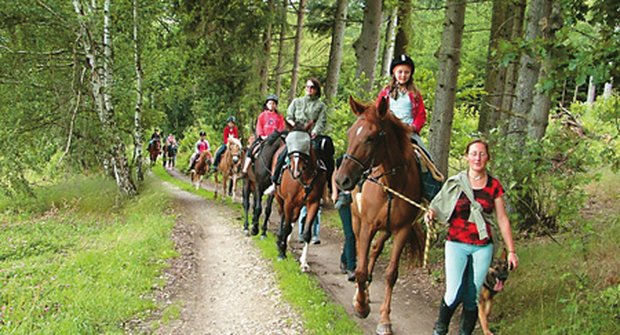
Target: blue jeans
(316, 224)
(348, 249)
(466, 268)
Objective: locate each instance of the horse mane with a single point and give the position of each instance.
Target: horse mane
(235, 141)
(396, 128)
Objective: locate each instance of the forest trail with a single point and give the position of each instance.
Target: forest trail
(230, 274)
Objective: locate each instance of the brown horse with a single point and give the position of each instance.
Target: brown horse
(201, 167)
(230, 166)
(303, 184)
(154, 150)
(380, 153)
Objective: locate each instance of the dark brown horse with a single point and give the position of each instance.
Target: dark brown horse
(154, 150)
(230, 166)
(380, 153)
(303, 184)
(201, 167)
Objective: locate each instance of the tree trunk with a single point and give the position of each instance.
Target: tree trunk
(542, 99)
(495, 74)
(335, 50)
(296, 55)
(367, 45)
(591, 92)
(449, 62)
(100, 77)
(404, 26)
(390, 40)
(264, 67)
(281, 39)
(137, 119)
(529, 69)
(518, 15)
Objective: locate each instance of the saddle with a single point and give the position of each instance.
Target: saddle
(432, 178)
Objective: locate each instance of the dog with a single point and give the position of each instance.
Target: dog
(493, 284)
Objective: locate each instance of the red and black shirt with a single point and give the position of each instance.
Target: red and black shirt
(465, 231)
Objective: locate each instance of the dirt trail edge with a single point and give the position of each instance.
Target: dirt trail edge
(413, 303)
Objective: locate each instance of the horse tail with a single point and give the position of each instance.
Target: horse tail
(417, 241)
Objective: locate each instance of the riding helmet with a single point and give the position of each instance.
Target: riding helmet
(402, 59)
(231, 119)
(203, 133)
(272, 97)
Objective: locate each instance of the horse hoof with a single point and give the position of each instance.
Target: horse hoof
(361, 312)
(305, 268)
(254, 230)
(384, 329)
(263, 236)
(281, 257)
(246, 232)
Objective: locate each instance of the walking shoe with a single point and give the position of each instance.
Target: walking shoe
(316, 240)
(350, 275)
(270, 189)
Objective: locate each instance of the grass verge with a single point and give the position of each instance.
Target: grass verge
(319, 313)
(80, 259)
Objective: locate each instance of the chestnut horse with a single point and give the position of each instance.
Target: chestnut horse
(380, 153)
(230, 167)
(257, 181)
(154, 150)
(303, 184)
(201, 167)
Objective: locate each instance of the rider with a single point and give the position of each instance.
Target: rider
(230, 130)
(308, 109)
(268, 122)
(200, 146)
(405, 100)
(155, 137)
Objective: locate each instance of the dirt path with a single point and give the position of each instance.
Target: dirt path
(232, 275)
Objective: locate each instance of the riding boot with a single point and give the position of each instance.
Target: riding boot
(468, 321)
(443, 321)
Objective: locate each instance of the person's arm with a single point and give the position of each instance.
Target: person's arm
(259, 126)
(334, 188)
(319, 124)
(419, 115)
(290, 112)
(504, 227)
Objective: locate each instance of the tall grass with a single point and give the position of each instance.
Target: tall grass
(319, 313)
(572, 286)
(80, 259)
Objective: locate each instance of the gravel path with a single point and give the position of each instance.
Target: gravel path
(233, 290)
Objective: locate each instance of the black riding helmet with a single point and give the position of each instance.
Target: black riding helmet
(231, 119)
(271, 97)
(203, 133)
(402, 59)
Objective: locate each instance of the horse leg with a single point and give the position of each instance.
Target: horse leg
(391, 275)
(285, 230)
(246, 206)
(312, 210)
(377, 249)
(233, 183)
(364, 237)
(268, 205)
(258, 209)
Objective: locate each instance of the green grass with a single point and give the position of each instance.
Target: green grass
(572, 287)
(320, 315)
(79, 259)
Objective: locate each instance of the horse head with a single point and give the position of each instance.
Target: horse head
(299, 146)
(235, 148)
(365, 137)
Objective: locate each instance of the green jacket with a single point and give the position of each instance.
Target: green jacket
(307, 108)
(445, 201)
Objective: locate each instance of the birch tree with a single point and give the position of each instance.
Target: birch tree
(101, 81)
(137, 119)
(335, 50)
(389, 42)
(281, 39)
(367, 45)
(449, 57)
(404, 26)
(516, 20)
(264, 67)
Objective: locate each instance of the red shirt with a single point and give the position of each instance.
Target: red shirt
(418, 111)
(268, 122)
(228, 131)
(465, 231)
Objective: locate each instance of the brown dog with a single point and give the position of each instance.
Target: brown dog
(493, 284)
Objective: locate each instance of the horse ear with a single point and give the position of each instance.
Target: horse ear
(383, 107)
(356, 107)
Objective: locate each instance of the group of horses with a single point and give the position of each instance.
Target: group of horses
(379, 168)
(155, 149)
(381, 171)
